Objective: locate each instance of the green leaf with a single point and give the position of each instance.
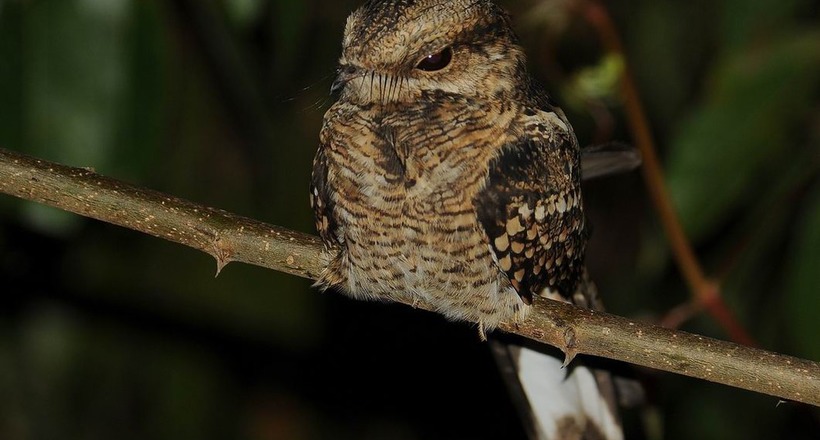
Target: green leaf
(746, 20)
(803, 279)
(11, 100)
(290, 29)
(73, 86)
(750, 115)
(598, 82)
(75, 78)
(243, 13)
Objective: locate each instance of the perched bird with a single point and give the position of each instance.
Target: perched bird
(445, 174)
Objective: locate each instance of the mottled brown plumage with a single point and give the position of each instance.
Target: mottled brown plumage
(444, 174)
(457, 186)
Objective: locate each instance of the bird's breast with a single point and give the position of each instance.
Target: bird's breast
(404, 190)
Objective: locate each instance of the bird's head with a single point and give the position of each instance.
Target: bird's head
(397, 51)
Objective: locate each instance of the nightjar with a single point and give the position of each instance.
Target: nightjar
(445, 174)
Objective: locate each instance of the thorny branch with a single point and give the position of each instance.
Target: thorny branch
(229, 237)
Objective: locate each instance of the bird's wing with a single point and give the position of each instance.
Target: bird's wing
(530, 210)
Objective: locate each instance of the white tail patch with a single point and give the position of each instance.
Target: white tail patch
(564, 403)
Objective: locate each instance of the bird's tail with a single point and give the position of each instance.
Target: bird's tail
(556, 402)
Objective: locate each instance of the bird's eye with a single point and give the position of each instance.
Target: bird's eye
(436, 61)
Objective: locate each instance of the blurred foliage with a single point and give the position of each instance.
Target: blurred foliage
(108, 334)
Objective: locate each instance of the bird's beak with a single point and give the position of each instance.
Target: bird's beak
(345, 74)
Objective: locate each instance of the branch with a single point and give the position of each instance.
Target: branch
(229, 237)
(705, 291)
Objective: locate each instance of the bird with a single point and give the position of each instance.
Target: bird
(446, 175)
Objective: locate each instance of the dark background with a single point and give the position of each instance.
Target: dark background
(106, 333)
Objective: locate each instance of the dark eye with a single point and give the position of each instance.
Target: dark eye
(436, 61)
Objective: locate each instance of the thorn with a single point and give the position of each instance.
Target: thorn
(569, 348)
(569, 355)
(222, 256)
(221, 262)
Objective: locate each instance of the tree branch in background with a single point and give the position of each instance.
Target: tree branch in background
(705, 291)
(229, 237)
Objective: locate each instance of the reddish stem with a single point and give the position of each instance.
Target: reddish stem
(705, 292)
